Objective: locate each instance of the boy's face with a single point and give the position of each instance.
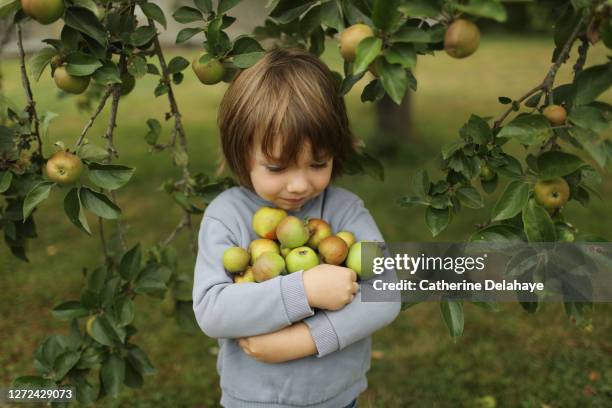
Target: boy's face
(289, 188)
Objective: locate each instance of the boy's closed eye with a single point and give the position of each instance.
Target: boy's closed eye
(280, 169)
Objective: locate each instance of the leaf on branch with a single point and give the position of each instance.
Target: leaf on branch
(394, 79)
(154, 12)
(107, 74)
(589, 117)
(437, 220)
(367, 50)
(553, 164)
(592, 82)
(492, 9)
(187, 15)
(537, 223)
(99, 204)
(402, 54)
(177, 64)
(39, 61)
(86, 22)
(186, 33)
(35, 196)
(109, 176)
(75, 211)
(418, 35)
(528, 129)
(470, 197)
(248, 59)
(69, 310)
(452, 311)
(512, 201)
(288, 10)
(385, 15)
(80, 64)
(142, 35)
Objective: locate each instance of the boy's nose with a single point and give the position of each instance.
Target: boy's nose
(297, 184)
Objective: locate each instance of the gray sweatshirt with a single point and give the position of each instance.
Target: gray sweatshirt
(333, 377)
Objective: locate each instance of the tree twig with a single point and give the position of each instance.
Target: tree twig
(178, 131)
(105, 96)
(31, 105)
(547, 84)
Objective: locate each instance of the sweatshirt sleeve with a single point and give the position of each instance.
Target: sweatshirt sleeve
(227, 310)
(335, 330)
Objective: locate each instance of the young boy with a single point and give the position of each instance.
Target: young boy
(303, 339)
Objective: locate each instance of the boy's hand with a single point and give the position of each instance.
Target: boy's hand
(287, 344)
(330, 287)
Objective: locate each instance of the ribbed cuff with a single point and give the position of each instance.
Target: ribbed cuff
(294, 297)
(323, 333)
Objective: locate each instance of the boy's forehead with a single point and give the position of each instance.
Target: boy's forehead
(305, 153)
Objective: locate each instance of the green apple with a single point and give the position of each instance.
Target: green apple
(268, 266)
(70, 83)
(552, 194)
(43, 11)
(285, 251)
(333, 250)
(89, 325)
(64, 167)
(236, 259)
(260, 246)
(318, 230)
(348, 237)
(266, 220)
(292, 232)
(208, 73)
(247, 276)
(301, 259)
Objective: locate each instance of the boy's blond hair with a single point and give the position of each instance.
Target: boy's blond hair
(288, 96)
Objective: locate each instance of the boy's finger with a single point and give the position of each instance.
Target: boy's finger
(355, 287)
(353, 275)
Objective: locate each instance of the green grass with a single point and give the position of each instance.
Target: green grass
(520, 360)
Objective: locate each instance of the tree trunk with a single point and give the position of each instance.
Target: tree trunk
(394, 125)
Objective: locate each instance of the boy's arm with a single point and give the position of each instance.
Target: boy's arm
(287, 344)
(228, 310)
(335, 330)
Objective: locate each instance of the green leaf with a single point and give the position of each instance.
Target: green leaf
(437, 220)
(288, 10)
(512, 201)
(246, 44)
(137, 66)
(140, 361)
(103, 332)
(553, 164)
(5, 180)
(86, 22)
(107, 74)
(113, 375)
(130, 263)
(537, 223)
(154, 12)
(367, 50)
(39, 61)
(64, 363)
(186, 33)
(417, 35)
(420, 184)
(248, 59)
(226, 5)
(204, 5)
(74, 210)
(109, 176)
(484, 8)
(527, 129)
(69, 310)
(420, 8)
(394, 79)
(498, 233)
(589, 117)
(385, 14)
(470, 197)
(476, 129)
(177, 64)
(187, 15)
(452, 311)
(91, 152)
(124, 311)
(79, 64)
(99, 204)
(154, 131)
(592, 82)
(402, 54)
(331, 16)
(8, 6)
(35, 196)
(142, 35)
(592, 144)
